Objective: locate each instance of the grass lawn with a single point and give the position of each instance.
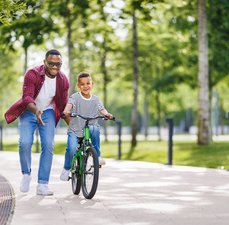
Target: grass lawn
(214, 155)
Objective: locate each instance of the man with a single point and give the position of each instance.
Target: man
(45, 94)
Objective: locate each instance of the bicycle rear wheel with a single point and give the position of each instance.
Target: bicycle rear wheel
(90, 173)
(76, 178)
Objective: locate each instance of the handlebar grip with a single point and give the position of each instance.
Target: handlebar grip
(73, 115)
(107, 118)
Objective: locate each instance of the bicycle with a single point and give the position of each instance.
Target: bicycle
(85, 164)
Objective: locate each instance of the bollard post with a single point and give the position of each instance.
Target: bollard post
(119, 123)
(170, 141)
(1, 137)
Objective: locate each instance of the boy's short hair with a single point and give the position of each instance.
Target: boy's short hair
(83, 74)
(52, 52)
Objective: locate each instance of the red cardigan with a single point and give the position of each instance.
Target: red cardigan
(33, 81)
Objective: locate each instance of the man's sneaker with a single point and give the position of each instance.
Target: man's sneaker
(65, 175)
(102, 162)
(43, 189)
(25, 182)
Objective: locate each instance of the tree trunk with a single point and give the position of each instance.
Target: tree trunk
(105, 81)
(145, 116)
(26, 59)
(72, 79)
(104, 51)
(134, 117)
(158, 108)
(203, 79)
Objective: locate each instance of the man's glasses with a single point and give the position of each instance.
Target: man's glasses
(52, 64)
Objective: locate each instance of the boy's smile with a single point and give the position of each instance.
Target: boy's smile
(85, 85)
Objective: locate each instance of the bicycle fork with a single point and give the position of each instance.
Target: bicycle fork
(77, 156)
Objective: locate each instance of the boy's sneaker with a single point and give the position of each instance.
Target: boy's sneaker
(25, 183)
(43, 189)
(102, 162)
(65, 175)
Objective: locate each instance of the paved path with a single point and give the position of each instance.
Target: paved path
(129, 193)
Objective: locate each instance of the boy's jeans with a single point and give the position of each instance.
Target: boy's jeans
(72, 145)
(27, 125)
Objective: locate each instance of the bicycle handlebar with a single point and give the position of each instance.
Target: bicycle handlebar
(89, 118)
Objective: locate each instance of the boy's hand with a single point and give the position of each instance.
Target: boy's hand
(66, 116)
(66, 113)
(109, 116)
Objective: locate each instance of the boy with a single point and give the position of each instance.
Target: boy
(88, 105)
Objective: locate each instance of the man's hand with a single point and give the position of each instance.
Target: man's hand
(38, 114)
(32, 107)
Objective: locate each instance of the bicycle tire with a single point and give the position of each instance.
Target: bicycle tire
(76, 178)
(90, 173)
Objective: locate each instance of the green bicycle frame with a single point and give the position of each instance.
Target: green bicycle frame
(80, 152)
(86, 135)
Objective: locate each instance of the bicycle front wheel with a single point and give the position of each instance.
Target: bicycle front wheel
(90, 173)
(76, 178)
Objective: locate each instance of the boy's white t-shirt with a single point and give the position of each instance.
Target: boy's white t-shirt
(46, 94)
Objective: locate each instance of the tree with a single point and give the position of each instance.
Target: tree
(218, 26)
(73, 16)
(134, 115)
(132, 11)
(103, 43)
(203, 79)
(29, 30)
(161, 62)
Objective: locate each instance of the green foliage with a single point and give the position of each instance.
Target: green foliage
(10, 10)
(222, 89)
(9, 85)
(184, 19)
(167, 44)
(218, 25)
(30, 30)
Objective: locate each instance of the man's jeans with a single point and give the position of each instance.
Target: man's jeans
(72, 145)
(27, 125)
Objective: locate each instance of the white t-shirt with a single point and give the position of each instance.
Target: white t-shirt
(46, 94)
